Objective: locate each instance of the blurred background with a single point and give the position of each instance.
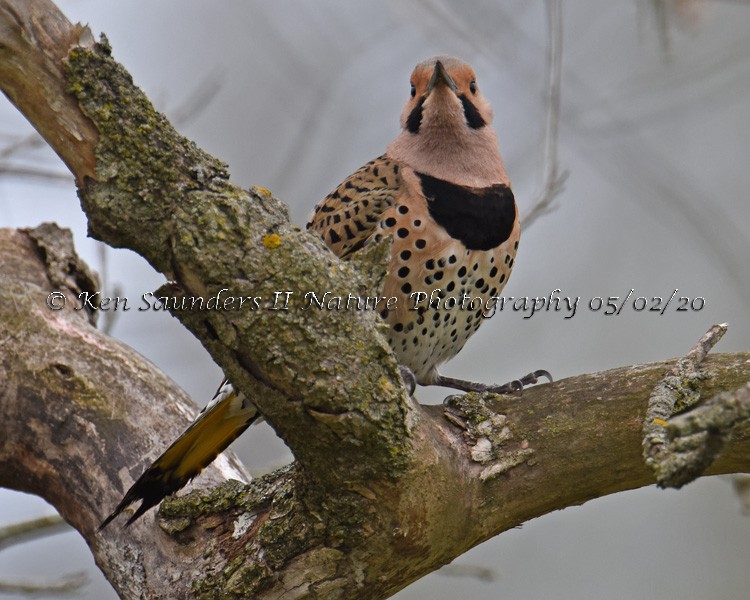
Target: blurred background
(653, 131)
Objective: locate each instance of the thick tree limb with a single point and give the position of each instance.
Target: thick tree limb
(72, 399)
(84, 414)
(382, 491)
(156, 193)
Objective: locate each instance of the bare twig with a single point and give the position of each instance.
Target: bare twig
(10, 170)
(33, 140)
(34, 529)
(111, 290)
(192, 106)
(685, 13)
(553, 179)
(198, 99)
(661, 14)
(468, 571)
(676, 391)
(17, 533)
(67, 585)
(741, 483)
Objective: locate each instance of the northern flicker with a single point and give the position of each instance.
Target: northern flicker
(441, 191)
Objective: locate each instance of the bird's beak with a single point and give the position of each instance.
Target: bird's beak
(440, 75)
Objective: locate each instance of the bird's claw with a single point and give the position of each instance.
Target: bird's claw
(409, 379)
(517, 385)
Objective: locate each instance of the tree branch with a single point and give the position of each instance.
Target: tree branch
(70, 431)
(86, 414)
(36, 38)
(664, 440)
(553, 180)
(155, 192)
(34, 529)
(69, 584)
(382, 490)
(697, 438)
(26, 531)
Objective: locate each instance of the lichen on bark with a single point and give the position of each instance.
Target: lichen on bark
(138, 155)
(209, 235)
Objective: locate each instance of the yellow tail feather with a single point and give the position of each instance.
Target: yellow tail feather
(217, 426)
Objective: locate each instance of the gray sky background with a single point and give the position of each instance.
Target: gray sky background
(655, 132)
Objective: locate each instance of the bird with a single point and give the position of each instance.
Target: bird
(441, 192)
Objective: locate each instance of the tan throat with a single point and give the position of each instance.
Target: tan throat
(469, 158)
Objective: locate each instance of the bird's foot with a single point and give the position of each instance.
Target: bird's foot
(516, 385)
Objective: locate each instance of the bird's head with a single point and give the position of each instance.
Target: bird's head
(447, 126)
(444, 95)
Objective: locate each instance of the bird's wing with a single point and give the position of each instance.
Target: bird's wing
(348, 217)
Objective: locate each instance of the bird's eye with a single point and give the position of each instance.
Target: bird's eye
(413, 90)
(473, 86)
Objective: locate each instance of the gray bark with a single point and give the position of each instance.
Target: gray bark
(382, 490)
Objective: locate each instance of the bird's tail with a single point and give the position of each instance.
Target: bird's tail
(217, 426)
